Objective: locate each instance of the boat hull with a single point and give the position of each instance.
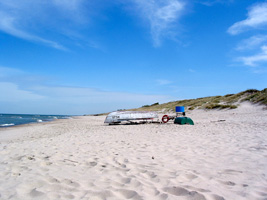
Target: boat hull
(117, 117)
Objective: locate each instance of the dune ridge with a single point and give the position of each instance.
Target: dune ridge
(228, 101)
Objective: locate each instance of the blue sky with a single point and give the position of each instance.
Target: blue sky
(84, 57)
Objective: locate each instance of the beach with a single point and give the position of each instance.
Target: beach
(222, 157)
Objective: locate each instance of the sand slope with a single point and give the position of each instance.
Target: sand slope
(84, 159)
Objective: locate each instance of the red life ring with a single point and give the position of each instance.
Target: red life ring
(165, 118)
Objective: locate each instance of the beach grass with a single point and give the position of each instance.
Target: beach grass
(228, 101)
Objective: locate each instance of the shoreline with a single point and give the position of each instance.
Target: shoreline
(83, 158)
(11, 120)
(17, 132)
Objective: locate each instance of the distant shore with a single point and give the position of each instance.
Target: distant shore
(223, 156)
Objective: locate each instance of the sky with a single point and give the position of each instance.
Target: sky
(84, 57)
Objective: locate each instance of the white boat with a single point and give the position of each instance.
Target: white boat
(119, 116)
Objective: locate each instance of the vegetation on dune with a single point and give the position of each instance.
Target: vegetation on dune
(220, 106)
(258, 97)
(154, 104)
(229, 101)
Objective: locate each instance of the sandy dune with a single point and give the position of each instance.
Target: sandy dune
(223, 156)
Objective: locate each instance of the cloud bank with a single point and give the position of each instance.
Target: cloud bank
(26, 96)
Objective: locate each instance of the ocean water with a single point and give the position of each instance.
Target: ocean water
(7, 120)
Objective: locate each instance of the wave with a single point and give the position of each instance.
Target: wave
(3, 125)
(16, 117)
(7, 120)
(66, 118)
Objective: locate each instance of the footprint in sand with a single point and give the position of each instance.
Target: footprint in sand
(45, 163)
(262, 192)
(191, 176)
(52, 180)
(35, 193)
(129, 194)
(125, 180)
(31, 158)
(179, 191)
(232, 171)
(228, 183)
(163, 196)
(105, 194)
(152, 191)
(196, 189)
(70, 183)
(92, 164)
(217, 197)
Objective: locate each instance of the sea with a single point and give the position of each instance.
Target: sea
(7, 120)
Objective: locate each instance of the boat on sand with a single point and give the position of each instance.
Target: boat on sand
(119, 116)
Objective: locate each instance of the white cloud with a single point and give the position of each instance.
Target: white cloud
(252, 42)
(7, 25)
(30, 19)
(255, 59)
(257, 17)
(160, 15)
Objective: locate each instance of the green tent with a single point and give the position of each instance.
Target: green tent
(183, 120)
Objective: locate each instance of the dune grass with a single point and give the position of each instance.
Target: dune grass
(229, 101)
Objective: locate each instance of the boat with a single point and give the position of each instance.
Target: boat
(119, 116)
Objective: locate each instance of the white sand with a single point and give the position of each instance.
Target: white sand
(85, 159)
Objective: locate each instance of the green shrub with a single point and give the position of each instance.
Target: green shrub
(216, 101)
(144, 106)
(251, 91)
(220, 106)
